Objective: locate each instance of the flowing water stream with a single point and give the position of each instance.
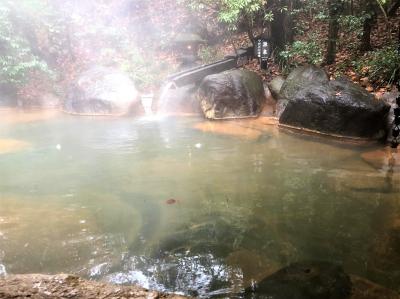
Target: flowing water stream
(177, 208)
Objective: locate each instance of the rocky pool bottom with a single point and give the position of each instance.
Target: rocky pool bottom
(41, 286)
(184, 205)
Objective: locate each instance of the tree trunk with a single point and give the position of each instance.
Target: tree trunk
(282, 26)
(367, 26)
(352, 7)
(335, 7)
(393, 8)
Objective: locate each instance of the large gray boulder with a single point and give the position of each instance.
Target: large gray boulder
(231, 94)
(305, 280)
(337, 107)
(103, 91)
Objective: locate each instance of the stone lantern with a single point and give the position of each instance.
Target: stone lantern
(187, 45)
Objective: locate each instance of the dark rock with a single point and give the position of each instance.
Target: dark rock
(188, 38)
(300, 77)
(43, 100)
(390, 99)
(231, 94)
(8, 96)
(337, 107)
(102, 91)
(306, 280)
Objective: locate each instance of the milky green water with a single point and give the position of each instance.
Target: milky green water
(164, 205)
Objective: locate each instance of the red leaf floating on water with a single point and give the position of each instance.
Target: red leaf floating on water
(171, 201)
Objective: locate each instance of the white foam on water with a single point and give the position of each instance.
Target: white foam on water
(3, 271)
(147, 101)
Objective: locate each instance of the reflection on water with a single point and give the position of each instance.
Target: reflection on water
(179, 205)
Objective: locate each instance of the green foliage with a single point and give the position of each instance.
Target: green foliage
(209, 54)
(322, 16)
(18, 60)
(380, 65)
(301, 52)
(144, 72)
(314, 9)
(352, 24)
(234, 11)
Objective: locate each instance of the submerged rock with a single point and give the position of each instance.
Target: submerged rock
(382, 158)
(231, 94)
(103, 91)
(306, 280)
(365, 289)
(337, 107)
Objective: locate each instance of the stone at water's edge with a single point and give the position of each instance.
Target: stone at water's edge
(365, 289)
(231, 94)
(337, 107)
(306, 280)
(103, 91)
(390, 99)
(275, 86)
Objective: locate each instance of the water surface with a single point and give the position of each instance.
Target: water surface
(174, 207)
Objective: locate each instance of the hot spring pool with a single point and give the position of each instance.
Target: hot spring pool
(175, 205)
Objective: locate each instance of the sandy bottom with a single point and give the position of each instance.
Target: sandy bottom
(383, 157)
(13, 116)
(12, 145)
(250, 129)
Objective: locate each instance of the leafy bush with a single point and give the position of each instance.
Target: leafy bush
(233, 15)
(233, 12)
(301, 52)
(145, 71)
(380, 65)
(352, 23)
(18, 59)
(209, 54)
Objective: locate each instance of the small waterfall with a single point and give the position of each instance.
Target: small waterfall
(162, 101)
(147, 101)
